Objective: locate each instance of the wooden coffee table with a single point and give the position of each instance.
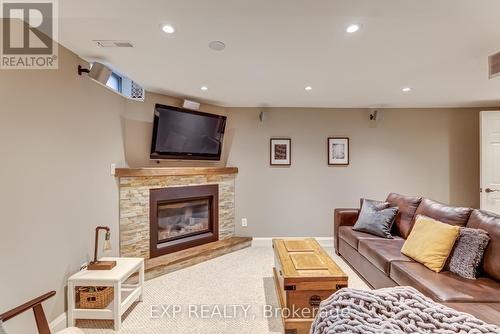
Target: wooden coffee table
(304, 275)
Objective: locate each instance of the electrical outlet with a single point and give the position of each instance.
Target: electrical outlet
(244, 222)
(113, 169)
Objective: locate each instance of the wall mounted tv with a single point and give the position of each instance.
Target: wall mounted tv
(186, 134)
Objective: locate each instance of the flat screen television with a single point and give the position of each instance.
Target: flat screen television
(186, 134)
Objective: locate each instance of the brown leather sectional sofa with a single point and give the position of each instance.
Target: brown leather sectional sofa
(380, 262)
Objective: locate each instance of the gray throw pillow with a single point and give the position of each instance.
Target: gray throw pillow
(376, 218)
(468, 252)
(377, 205)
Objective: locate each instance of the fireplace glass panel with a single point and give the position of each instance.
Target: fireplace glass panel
(184, 218)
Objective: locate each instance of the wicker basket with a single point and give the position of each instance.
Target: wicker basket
(95, 297)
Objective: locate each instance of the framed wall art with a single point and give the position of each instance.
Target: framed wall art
(281, 152)
(338, 151)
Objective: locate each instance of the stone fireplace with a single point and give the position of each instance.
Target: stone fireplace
(182, 217)
(168, 210)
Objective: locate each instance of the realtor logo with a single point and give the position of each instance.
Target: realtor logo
(29, 34)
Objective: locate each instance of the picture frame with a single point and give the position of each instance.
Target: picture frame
(280, 152)
(338, 151)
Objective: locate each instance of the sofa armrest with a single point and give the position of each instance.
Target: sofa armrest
(343, 217)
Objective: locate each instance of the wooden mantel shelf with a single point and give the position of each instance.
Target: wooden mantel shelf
(174, 171)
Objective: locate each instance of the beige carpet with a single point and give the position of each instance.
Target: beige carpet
(243, 278)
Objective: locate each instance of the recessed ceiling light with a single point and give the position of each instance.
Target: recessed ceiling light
(308, 88)
(217, 45)
(168, 29)
(204, 88)
(406, 89)
(352, 28)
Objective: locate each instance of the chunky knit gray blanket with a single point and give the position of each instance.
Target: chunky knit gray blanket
(392, 311)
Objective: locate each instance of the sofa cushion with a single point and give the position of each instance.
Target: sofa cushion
(407, 206)
(488, 312)
(376, 278)
(451, 215)
(352, 237)
(489, 222)
(445, 286)
(382, 252)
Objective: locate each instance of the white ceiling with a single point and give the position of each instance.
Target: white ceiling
(277, 47)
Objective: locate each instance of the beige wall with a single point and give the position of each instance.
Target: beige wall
(429, 152)
(59, 133)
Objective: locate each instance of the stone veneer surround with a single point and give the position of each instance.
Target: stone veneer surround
(134, 207)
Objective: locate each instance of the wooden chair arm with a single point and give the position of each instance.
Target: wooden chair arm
(36, 305)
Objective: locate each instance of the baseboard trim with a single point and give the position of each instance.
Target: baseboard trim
(59, 323)
(267, 242)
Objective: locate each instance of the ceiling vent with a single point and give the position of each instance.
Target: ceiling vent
(114, 44)
(494, 65)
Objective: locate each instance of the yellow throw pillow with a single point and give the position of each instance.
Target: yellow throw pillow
(430, 242)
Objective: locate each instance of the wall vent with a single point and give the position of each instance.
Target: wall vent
(132, 90)
(136, 92)
(494, 65)
(113, 44)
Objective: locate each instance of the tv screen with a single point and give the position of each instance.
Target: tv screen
(186, 134)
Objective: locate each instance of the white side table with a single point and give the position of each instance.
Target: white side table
(124, 294)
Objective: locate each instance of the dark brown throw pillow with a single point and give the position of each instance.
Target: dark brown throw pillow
(468, 252)
(376, 218)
